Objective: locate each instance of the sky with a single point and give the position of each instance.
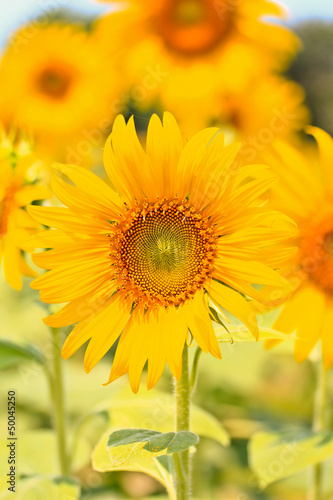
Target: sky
(15, 12)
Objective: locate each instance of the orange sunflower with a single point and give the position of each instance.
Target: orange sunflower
(305, 192)
(186, 230)
(184, 53)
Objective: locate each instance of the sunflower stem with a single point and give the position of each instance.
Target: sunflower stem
(319, 424)
(182, 460)
(58, 402)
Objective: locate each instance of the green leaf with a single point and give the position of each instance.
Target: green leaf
(156, 410)
(132, 444)
(275, 456)
(36, 488)
(102, 462)
(12, 354)
(239, 333)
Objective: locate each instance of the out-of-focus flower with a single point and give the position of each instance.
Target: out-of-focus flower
(305, 192)
(56, 84)
(16, 225)
(186, 52)
(269, 108)
(184, 233)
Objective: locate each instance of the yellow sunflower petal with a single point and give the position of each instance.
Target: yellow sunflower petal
(88, 328)
(87, 250)
(105, 329)
(157, 356)
(214, 175)
(176, 332)
(253, 272)
(233, 302)
(247, 194)
(81, 308)
(50, 238)
(77, 201)
(64, 219)
(30, 193)
(124, 348)
(91, 185)
(310, 322)
(144, 331)
(125, 161)
(70, 282)
(191, 158)
(164, 147)
(200, 325)
(25, 269)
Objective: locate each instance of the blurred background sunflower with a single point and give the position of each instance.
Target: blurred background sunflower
(57, 85)
(187, 52)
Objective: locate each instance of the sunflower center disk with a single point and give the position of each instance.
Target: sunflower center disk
(193, 27)
(54, 82)
(163, 252)
(317, 254)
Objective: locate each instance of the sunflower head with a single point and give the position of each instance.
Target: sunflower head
(185, 228)
(193, 29)
(189, 55)
(48, 82)
(273, 108)
(305, 192)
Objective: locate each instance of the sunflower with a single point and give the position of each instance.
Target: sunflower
(15, 192)
(272, 107)
(184, 233)
(184, 53)
(305, 192)
(48, 83)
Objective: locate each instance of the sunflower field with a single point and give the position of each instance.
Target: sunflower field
(166, 250)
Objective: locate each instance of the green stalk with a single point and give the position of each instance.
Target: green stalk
(58, 402)
(182, 460)
(319, 424)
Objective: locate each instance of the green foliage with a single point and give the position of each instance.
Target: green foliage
(276, 456)
(158, 468)
(12, 354)
(131, 444)
(137, 450)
